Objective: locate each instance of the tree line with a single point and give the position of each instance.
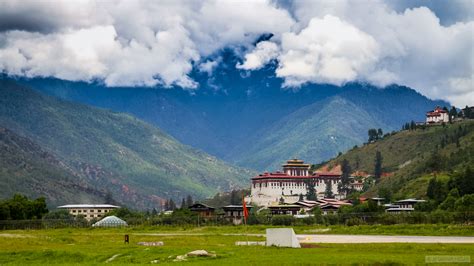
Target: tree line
(20, 207)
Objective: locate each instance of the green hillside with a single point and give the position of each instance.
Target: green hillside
(115, 152)
(26, 167)
(323, 128)
(413, 157)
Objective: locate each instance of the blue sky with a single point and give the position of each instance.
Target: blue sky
(427, 45)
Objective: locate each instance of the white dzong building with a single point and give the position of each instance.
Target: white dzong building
(269, 188)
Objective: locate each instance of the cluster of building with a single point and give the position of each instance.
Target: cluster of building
(282, 193)
(288, 185)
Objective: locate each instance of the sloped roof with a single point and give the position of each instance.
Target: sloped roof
(110, 221)
(87, 206)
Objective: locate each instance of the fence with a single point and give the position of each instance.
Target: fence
(329, 219)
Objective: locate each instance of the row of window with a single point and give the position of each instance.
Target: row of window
(86, 211)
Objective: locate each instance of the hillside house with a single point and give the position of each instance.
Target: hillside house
(438, 115)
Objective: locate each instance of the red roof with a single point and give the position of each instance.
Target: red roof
(280, 175)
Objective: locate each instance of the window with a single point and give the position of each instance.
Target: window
(99, 210)
(73, 210)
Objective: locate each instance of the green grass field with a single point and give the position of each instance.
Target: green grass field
(96, 246)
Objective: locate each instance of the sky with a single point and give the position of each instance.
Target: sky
(426, 45)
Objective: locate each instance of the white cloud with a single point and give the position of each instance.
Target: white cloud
(143, 43)
(263, 53)
(328, 50)
(128, 42)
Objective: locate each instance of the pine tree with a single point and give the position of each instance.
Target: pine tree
(189, 201)
(301, 197)
(311, 190)
(344, 186)
(378, 166)
(234, 197)
(328, 191)
(172, 205)
(183, 204)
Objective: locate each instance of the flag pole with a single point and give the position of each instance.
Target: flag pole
(245, 214)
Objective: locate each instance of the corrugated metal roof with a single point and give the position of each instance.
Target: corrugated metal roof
(71, 206)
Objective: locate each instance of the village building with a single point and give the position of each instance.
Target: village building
(203, 210)
(292, 209)
(89, 211)
(235, 213)
(406, 205)
(287, 185)
(438, 115)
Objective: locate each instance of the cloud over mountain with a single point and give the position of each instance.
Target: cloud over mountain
(145, 43)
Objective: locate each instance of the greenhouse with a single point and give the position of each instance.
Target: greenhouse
(110, 221)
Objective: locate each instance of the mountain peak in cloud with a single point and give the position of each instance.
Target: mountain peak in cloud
(142, 43)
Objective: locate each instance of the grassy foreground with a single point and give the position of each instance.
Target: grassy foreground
(97, 246)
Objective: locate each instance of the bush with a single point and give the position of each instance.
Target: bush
(354, 221)
(283, 220)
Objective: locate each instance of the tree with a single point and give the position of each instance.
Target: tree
(378, 166)
(372, 135)
(328, 190)
(379, 133)
(189, 200)
(463, 181)
(453, 113)
(385, 193)
(436, 190)
(235, 197)
(58, 214)
(301, 197)
(311, 190)
(183, 204)
(172, 205)
(344, 186)
(109, 198)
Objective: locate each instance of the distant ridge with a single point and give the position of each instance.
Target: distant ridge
(136, 162)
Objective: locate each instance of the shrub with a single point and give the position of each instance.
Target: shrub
(283, 220)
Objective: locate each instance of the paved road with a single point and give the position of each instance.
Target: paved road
(383, 239)
(349, 238)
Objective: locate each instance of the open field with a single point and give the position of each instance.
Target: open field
(96, 246)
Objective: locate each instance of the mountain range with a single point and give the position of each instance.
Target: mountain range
(250, 118)
(76, 153)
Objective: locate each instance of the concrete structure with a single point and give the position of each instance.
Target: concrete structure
(438, 115)
(89, 211)
(287, 185)
(235, 213)
(282, 237)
